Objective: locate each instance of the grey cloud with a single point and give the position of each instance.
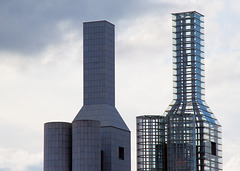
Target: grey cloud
(5, 169)
(28, 26)
(34, 168)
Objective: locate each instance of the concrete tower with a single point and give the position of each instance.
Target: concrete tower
(98, 139)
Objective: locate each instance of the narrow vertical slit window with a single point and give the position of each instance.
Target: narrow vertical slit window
(121, 153)
(101, 160)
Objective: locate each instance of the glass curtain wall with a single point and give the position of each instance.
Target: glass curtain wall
(188, 136)
(193, 132)
(151, 145)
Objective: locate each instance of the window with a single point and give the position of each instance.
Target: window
(213, 148)
(101, 160)
(121, 153)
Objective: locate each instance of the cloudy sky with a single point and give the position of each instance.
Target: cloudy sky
(41, 67)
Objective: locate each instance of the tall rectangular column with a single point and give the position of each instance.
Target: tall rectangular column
(99, 95)
(99, 64)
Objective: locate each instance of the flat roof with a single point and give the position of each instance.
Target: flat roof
(98, 21)
(188, 12)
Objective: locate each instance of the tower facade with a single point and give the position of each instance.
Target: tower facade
(98, 139)
(193, 134)
(151, 145)
(99, 95)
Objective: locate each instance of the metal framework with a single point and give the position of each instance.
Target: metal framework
(192, 134)
(151, 146)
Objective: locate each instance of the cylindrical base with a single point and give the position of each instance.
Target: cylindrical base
(86, 149)
(57, 146)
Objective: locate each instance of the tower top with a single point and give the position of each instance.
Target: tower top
(99, 75)
(188, 56)
(99, 63)
(98, 22)
(187, 12)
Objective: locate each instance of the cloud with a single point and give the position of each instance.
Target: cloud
(27, 27)
(231, 153)
(233, 164)
(5, 169)
(18, 160)
(56, 70)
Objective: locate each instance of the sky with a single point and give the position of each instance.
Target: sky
(41, 68)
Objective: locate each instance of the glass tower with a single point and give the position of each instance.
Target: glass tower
(193, 134)
(151, 153)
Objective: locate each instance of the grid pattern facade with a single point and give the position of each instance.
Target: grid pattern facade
(99, 63)
(99, 96)
(86, 145)
(57, 146)
(181, 142)
(114, 139)
(193, 134)
(188, 56)
(98, 139)
(151, 145)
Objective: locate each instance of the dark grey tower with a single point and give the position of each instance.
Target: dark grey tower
(98, 139)
(99, 95)
(99, 63)
(57, 146)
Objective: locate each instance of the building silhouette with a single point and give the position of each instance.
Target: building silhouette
(188, 136)
(98, 139)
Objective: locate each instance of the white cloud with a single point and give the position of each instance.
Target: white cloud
(18, 159)
(233, 164)
(234, 5)
(231, 153)
(27, 81)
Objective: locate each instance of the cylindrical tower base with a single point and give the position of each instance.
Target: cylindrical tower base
(57, 146)
(86, 149)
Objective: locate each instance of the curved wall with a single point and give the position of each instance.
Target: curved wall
(57, 146)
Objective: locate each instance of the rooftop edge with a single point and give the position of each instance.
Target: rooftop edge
(187, 12)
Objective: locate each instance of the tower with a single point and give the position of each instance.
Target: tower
(98, 139)
(99, 95)
(193, 134)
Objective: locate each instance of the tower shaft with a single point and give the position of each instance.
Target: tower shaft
(188, 56)
(189, 120)
(99, 95)
(99, 63)
(188, 136)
